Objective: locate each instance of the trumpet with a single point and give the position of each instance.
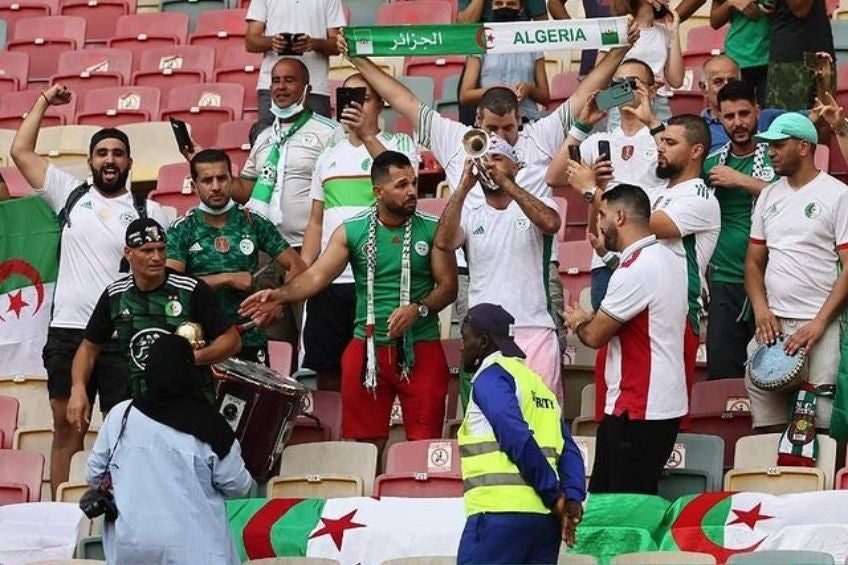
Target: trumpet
(475, 144)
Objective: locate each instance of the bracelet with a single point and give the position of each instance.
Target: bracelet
(585, 128)
(45, 98)
(659, 129)
(577, 133)
(580, 326)
(841, 128)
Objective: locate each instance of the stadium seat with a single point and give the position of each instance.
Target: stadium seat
(584, 426)
(240, 67)
(220, 29)
(663, 558)
(782, 557)
(3, 34)
(577, 213)
(315, 485)
(192, 8)
(419, 12)
(562, 87)
(321, 419)
(13, 493)
(153, 145)
(91, 547)
(31, 392)
(562, 208)
(119, 105)
(140, 32)
(586, 445)
(14, 106)
(40, 440)
(173, 188)
(14, 71)
(683, 102)
(432, 206)
(67, 147)
(87, 69)
(101, 16)
(424, 456)
(13, 11)
(79, 462)
(279, 352)
(587, 400)
(567, 558)
(696, 466)
(450, 90)
(232, 139)
(71, 491)
(205, 106)
(721, 407)
(418, 485)
(421, 86)
(439, 68)
(575, 257)
(18, 188)
(170, 67)
(705, 38)
(695, 58)
(331, 458)
(22, 467)
(6, 137)
(9, 406)
(44, 39)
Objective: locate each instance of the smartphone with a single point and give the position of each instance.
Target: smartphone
(615, 96)
(345, 95)
(182, 136)
(290, 38)
(604, 151)
(810, 60)
(661, 12)
(574, 153)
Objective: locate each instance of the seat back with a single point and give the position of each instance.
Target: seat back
(91, 548)
(14, 71)
(424, 456)
(315, 486)
(663, 558)
(760, 451)
(439, 68)
(13, 493)
(41, 440)
(775, 480)
(79, 464)
(100, 16)
(174, 178)
(205, 107)
(696, 465)
(233, 134)
(418, 12)
(220, 29)
(18, 187)
(331, 457)
(9, 407)
(140, 32)
(587, 400)
(575, 257)
(14, 105)
(705, 38)
(586, 444)
(97, 60)
(321, 419)
(423, 87)
(170, 67)
(192, 8)
(433, 206)
(31, 393)
(13, 11)
(418, 485)
(562, 86)
(153, 145)
(44, 39)
(119, 105)
(782, 557)
(23, 467)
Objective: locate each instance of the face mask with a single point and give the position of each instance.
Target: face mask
(290, 111)
(506, 14)
(203, 207)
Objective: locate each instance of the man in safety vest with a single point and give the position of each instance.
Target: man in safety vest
(523, 474)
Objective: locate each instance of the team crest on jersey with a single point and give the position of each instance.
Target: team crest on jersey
(140, 345)
(422, 248)
(310, 140)
(812, 210)
(222, 244)
(650, 154)
(127, 218)
(765, 175)
(246, 246)
(173, 308)
(366, 164)
(627, 152)
(522, 224)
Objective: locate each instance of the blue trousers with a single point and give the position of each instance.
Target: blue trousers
(509, 537)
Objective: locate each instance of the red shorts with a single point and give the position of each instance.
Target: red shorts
(366, 414)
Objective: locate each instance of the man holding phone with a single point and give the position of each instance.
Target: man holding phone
(341, 189)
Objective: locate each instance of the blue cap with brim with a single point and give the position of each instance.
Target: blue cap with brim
(790, 125)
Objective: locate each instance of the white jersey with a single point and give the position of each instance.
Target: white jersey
(508, 259)
(92, 245)
(634, 161)
(644, 372)
(292, 16)
(803, 229)
(342, 181)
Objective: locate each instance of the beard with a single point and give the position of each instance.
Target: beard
(668, 170)
(402, 210)
(749, 134)
(110, 187)
(611, 238)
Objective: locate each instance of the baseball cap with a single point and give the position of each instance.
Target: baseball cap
(109, 133)
(790, 125)
(498, 324)
(498, 146)
(144, 230)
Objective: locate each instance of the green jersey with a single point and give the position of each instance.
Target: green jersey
(728, 260)
(388, 271)
(139, 318)
(207, 250)
(748, 42)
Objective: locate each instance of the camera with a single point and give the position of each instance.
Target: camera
(96, 502)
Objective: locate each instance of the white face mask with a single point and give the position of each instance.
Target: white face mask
(204, 207)
(290, 111)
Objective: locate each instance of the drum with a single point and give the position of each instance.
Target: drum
(771, 368)
(261, 406)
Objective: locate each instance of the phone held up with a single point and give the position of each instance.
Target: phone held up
(604, 151)
(345, 96)
(618, 94)
(181, 135)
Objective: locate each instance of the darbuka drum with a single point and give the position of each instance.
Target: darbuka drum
(771, 368)
(261, 406)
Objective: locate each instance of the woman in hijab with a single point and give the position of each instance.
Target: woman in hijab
(171, 459)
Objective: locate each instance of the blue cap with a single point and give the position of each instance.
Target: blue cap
(498, 324)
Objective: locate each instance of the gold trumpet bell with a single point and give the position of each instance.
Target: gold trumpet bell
(476, 142)
(193, 333)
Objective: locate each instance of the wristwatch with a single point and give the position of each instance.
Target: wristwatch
(659, 129)
(423, 311)
(589, 194)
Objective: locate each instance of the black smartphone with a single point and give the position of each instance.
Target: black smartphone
(617, 95)
(661, 12)
(574, 153)
(345, 95)
(181, 135)
(289, 38)
(604, 151)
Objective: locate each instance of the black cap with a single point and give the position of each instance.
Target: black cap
(144, 230)
(498, 324)
(108, 133)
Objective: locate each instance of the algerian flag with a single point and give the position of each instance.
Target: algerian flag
(478, 39)
(29, 239)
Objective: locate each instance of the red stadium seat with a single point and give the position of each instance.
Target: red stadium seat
(424, 456)
(562, 208)
(173, 188)
(684, 102)
(8, 414)
(220, 29)
(722, 408)
(705, 38)
(563, 85)
(13, 493)
(101, 16)
(14, 71)
(169, 67)
(233, 140)
(205, 106)
(842, 479)
(822, 157)
(18, 187)
(279, 352)
(416, 12)
(240, 67)
(88, 69)
(140, 32)
(439, 68)
(433, 206)
(575, 257)
(577, 213)
(119, 105)
(13, 11)
(21, 467)
(321, 420)
(418, 485)
(15, 105)
(44, 39)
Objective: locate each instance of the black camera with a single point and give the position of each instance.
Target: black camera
(96, 502)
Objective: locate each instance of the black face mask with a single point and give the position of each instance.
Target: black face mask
(506, 15)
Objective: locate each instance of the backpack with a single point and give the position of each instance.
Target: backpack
(139, 203)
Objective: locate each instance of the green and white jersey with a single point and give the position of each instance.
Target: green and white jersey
(387, 273)
(728, 261)
(693, 208)
(207, 250)
(342, 181)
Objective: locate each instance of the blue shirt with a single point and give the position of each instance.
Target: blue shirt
(494, 393)
(719, 135)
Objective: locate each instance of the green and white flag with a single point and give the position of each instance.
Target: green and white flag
(478, 39)
(29, 238)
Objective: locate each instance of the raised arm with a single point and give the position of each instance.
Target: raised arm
(674, 70)
(543, 216)
(472, 13)
(32, 165)
(470, 91)
(450, 235)
(688, 7)
(558, 10)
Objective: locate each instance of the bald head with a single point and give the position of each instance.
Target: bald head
(716, 72)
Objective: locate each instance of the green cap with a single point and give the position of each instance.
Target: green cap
(790, 124)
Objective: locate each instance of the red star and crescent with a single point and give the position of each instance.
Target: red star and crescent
(16, 303)
(336, 528)
(26, 270)
(749, 517)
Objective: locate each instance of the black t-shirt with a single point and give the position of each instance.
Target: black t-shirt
(792, 36)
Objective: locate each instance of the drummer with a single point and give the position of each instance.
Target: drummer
(141, 307)
(219, 242)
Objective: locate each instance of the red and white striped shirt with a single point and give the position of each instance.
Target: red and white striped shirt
(644, 374)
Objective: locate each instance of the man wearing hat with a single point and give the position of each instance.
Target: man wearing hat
(143, 306)
(94, 218)
(799, 238)
(508, 237)
(523, 475)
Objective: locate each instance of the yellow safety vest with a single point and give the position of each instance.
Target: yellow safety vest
(492, 482)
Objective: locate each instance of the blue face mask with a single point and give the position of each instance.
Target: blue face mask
(290, 111)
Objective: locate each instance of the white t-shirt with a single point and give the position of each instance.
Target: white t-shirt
(342, 181)
(290, 202)
(313, 18)
(508, 262)
(634, 161)
(92, 245)
(652, 48)
(803, 229)
(644, 372)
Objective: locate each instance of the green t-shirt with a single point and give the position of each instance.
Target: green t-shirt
(207, 250)
(387, 273)
(728, 260)
(748, 42)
